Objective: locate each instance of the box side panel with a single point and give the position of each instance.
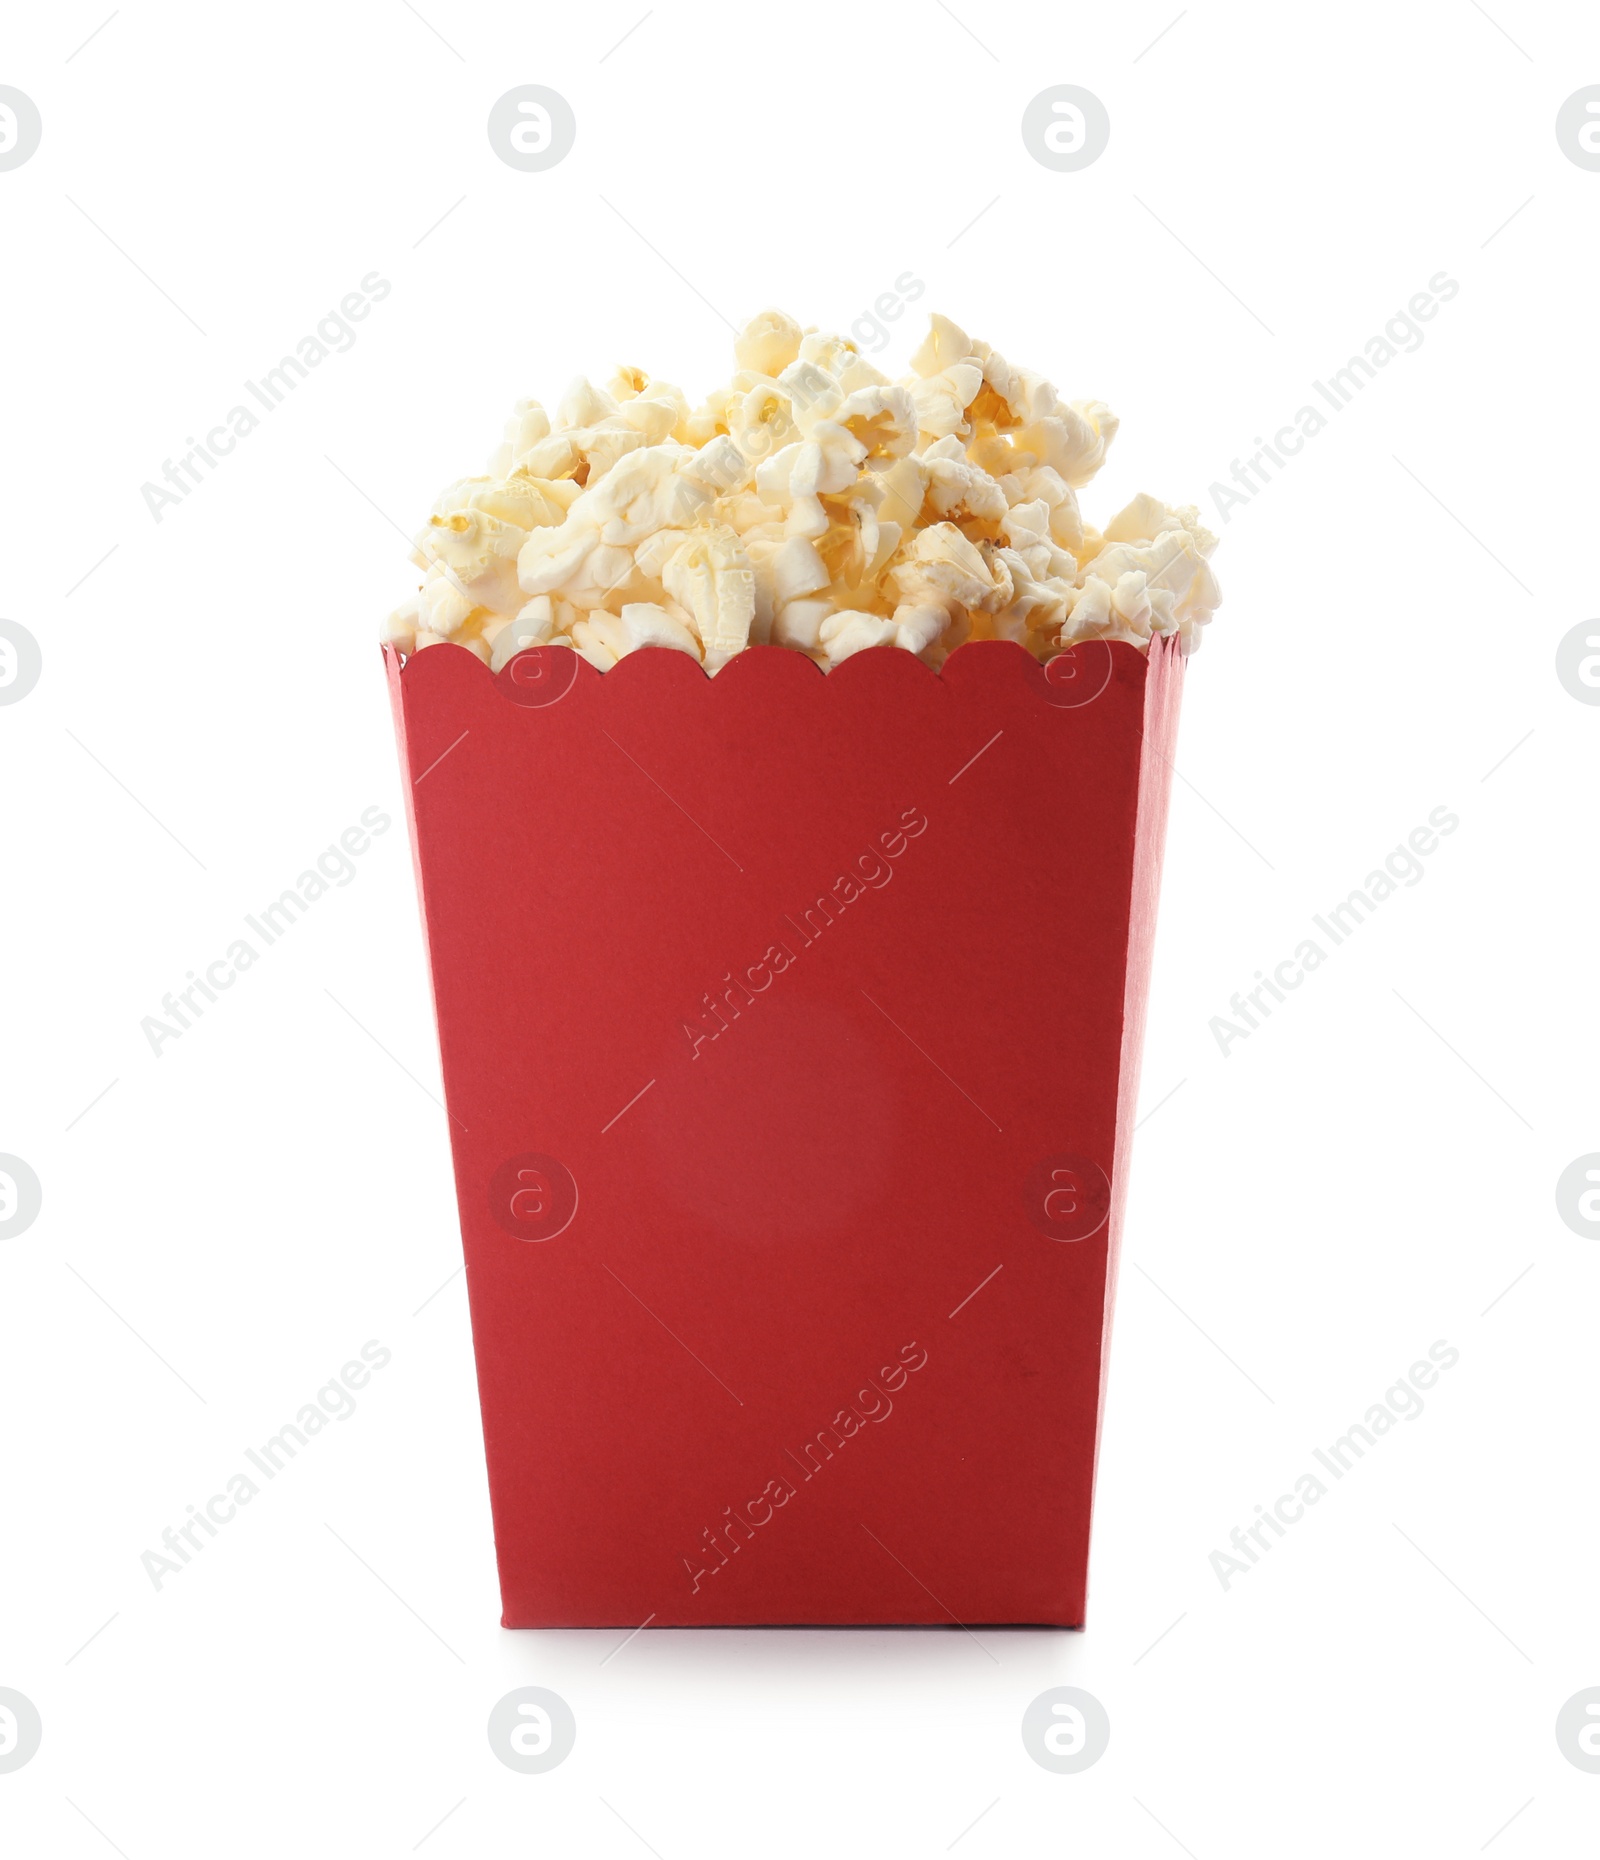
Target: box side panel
(1163, 696)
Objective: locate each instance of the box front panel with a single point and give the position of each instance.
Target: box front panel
(782, 1027)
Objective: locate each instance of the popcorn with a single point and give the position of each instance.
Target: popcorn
(710, 575)
(811, 503)
(646, 624)
(768, 343)
(797, 569)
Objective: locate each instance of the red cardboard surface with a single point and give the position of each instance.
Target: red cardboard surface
(790, 1031)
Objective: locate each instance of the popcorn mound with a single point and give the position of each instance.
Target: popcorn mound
(811, 503)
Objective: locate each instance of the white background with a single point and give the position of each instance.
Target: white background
(1371, 1170)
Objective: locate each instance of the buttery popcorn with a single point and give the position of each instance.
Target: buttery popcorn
(810, 503)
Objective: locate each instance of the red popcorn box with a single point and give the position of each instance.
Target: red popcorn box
(790, 1029)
